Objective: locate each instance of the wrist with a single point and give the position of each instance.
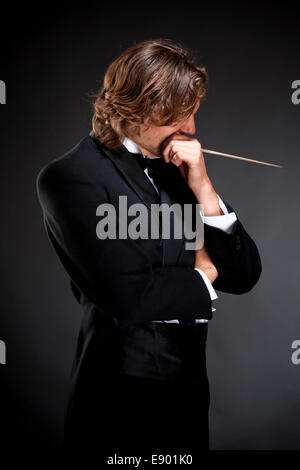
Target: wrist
(210, 271)
(203, 187)
(208, 198)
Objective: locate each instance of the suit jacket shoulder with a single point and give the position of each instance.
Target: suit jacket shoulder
(84, 166)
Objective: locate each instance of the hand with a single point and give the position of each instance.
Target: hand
(186, 153)
(204, 262)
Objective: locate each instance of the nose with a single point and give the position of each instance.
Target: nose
(188, 126)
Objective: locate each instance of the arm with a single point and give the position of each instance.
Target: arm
(116, 275)
(224, 222)
(230, 260)
(229, 257)
(233, 261)
(235, 257)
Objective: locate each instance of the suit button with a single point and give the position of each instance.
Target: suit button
(160, 242)
(238, 242)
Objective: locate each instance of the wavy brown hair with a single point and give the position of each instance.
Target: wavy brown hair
(155, 82)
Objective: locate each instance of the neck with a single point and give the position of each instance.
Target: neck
(145, 152)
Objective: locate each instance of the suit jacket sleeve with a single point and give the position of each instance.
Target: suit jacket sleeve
(116, 275)
(235, 256)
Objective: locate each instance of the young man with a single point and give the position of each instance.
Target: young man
(139, 378)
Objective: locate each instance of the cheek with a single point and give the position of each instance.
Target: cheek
(174, 128)
(168, 130)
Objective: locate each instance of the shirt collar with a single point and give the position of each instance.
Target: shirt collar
(134, 148)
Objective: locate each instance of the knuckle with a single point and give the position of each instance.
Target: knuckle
(196, 143)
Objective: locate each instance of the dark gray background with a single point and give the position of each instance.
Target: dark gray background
(56, 57)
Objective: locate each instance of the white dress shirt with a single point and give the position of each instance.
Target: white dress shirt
(223, 222)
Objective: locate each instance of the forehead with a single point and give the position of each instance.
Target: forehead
(175, 123)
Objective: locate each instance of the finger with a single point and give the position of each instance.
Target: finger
(189, 146)
(174, 138)
(179, 157)
(175, 160)
(188, 149)
(165, 148)
(172, 147)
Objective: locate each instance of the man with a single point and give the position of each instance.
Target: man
(139, 378)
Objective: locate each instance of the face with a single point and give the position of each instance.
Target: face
(150, 140)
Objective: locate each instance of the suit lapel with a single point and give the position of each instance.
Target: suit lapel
(132, 173)
(173, 189)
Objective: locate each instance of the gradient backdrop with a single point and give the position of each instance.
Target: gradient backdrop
(51, 59)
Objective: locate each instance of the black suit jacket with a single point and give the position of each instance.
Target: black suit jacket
(131, 281)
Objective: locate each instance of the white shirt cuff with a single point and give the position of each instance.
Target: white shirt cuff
(223, 222)
(210, 288)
